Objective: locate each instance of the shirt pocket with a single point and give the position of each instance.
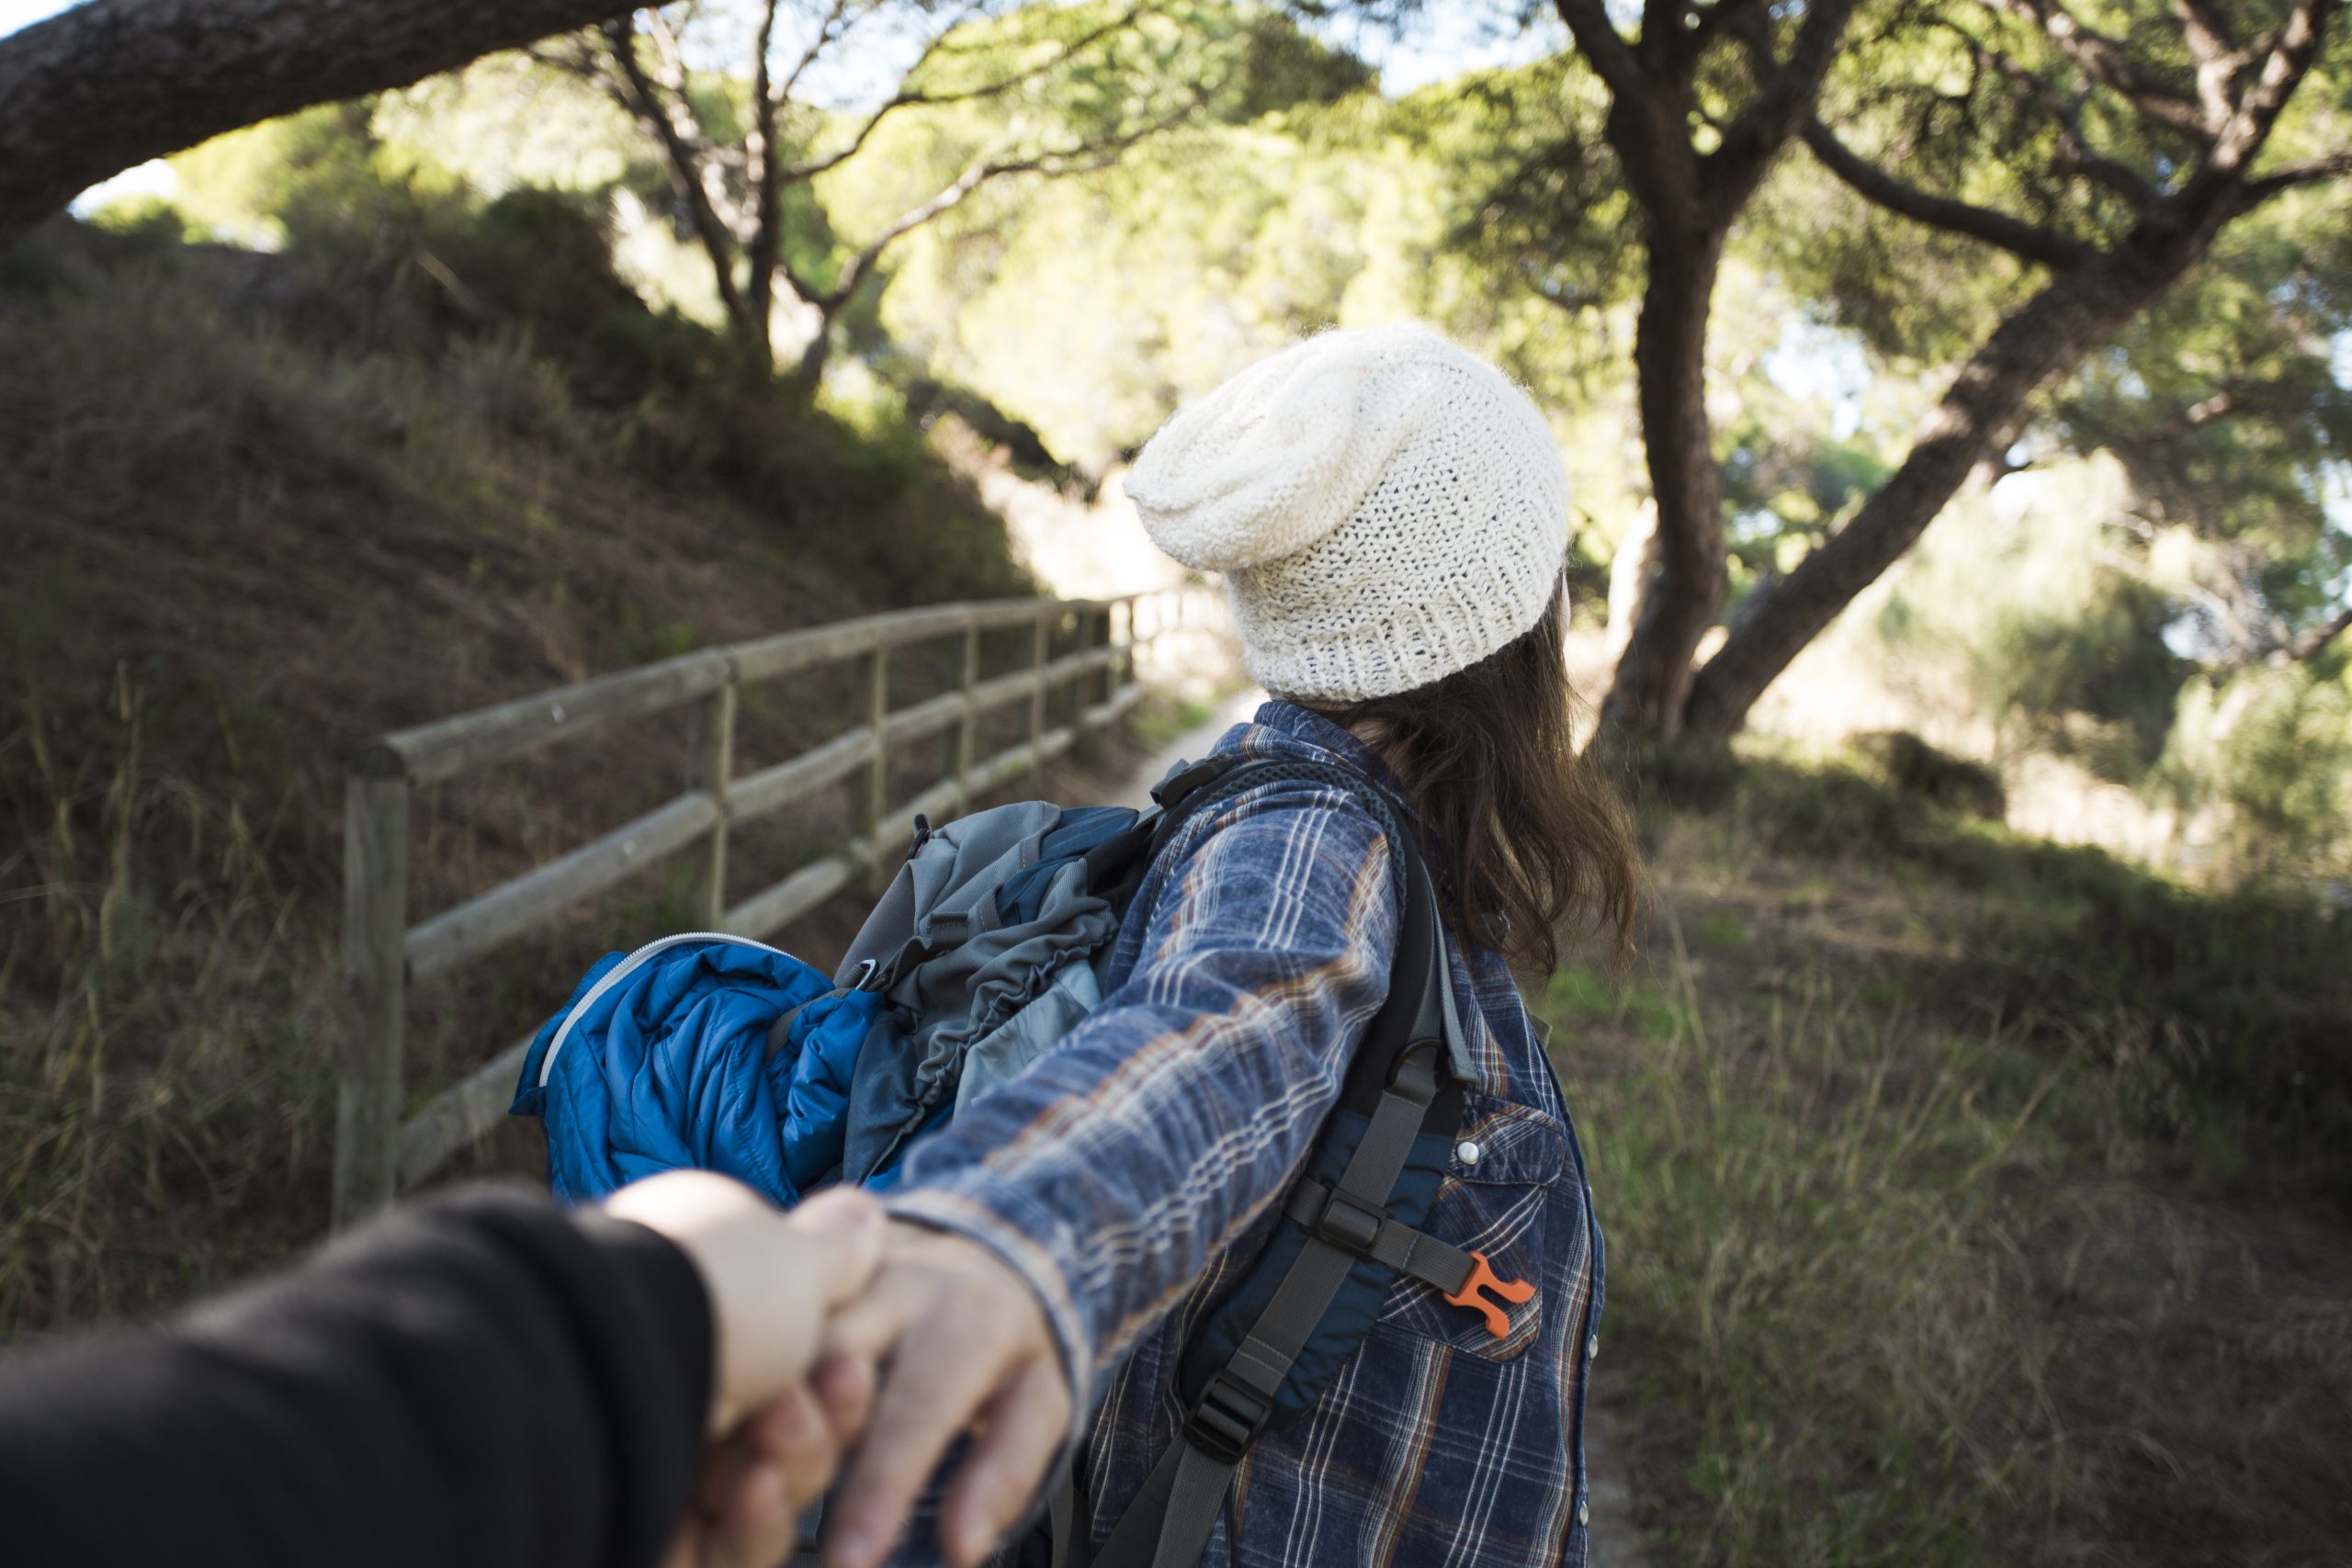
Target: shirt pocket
(1497, 1202)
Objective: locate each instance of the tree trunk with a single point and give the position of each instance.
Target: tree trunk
(114, 83)
(809, 369)
(2047, 334)
(1679, 600)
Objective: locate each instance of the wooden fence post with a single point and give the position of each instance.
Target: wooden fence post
(1098, 682)
(375, 996)
(1040, 636)
(874, 698)
(967, 728)
(1125, 672)
(710, 767)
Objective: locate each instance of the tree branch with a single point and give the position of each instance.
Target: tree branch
(2107, 62)
(1662, 31)
(782, 92)
(667, 94)
(109, 84)
(691, 176)
(2335, 166)
(1077, 160)
(759, 153)
(1784, 100)
(2208, 29)
(908, 97)
(2066, 112)
(2214, 50)
(2313, 641)
(2031, 242)
(1604, 48)
(2286, 56)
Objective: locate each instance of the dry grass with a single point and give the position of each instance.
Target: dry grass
(235, 547)
(163, 1098)
(1897, 1277)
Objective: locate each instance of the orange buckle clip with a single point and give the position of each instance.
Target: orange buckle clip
(1511, 1291)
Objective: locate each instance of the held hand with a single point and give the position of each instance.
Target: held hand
(756, 1484)
(771, 1278)
(961, 1345)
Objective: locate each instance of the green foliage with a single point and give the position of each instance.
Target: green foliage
(2270, 746)
(1909, 764)
(152, 224)
(2031, 612)
(1087, 307)
(1787, 485)
(2228, 413)
(1536, 206)
(2230, 1014)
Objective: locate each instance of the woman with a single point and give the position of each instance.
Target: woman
(1390, 515)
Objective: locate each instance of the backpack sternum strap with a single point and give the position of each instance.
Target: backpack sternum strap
(1403, 1248)
(1171, 1520)
(1403, 1080)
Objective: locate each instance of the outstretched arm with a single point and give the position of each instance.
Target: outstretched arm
(1081, 1201)
(480, 1380)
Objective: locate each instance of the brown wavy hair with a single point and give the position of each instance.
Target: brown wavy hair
(1532, 840)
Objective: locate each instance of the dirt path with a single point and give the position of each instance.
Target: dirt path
(1190, 746)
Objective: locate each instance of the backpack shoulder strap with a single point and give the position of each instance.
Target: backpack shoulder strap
(1403, 1079)
(1194, 787)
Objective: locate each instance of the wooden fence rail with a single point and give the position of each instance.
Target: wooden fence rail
(378, 1152)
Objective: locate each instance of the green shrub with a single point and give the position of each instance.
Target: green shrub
(1910, 764)
(2271, 748)
(2237, 1004)
(539, 257)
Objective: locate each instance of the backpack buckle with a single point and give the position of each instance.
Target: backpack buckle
(1226, 1420)
(1349, 1225)
(1511, 1291)
(1184, 778)
(1414, 1077)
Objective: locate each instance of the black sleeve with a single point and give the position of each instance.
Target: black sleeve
(480, 1380)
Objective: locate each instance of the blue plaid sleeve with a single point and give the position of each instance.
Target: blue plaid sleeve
(1112, 1172)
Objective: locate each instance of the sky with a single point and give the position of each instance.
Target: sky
(1452, 37)
(1457, 37)
(16, 14)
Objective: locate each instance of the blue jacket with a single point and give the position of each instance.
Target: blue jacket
(682, 1074)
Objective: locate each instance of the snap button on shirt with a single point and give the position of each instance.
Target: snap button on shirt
(1466, 1152)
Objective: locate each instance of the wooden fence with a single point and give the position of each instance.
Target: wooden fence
(379, 1153)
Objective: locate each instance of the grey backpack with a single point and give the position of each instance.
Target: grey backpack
(988, 949)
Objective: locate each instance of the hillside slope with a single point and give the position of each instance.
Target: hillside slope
(250, 515)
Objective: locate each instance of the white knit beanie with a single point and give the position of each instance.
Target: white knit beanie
(1386, 507)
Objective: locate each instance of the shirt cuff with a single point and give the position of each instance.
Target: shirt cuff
(999, 1218)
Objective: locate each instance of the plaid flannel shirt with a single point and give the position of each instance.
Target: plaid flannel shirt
(1132, 1174)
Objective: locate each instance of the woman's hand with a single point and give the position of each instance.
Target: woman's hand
(958, 1342)
(756, 1484)
(773, 1278)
